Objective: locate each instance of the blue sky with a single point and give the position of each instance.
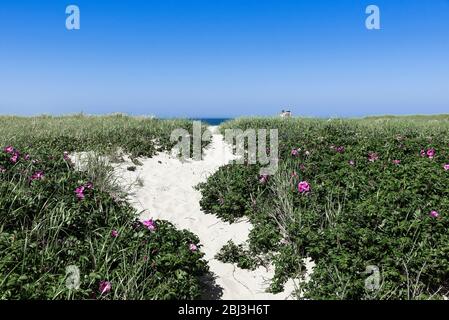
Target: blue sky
(224, 58)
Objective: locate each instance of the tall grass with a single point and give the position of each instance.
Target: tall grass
(107, 134)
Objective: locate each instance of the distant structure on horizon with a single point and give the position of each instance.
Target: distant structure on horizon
(286, 114)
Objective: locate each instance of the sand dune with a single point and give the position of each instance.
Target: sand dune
(168, 193)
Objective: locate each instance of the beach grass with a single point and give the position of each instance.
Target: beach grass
(135, 136)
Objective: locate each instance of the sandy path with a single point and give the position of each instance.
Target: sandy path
(168, 193)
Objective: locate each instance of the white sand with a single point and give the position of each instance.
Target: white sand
(168, 193)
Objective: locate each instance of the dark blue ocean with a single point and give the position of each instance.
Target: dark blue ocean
(213, 121)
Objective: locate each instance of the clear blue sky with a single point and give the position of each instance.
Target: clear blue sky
(224, 58)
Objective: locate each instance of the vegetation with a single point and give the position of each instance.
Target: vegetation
(106, 134)
(66, 234)
(355, 196)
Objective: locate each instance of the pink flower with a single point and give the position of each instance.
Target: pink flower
(396, 161)
(434, 214)
(15, 157)
(80, 192)
(372, 156)
(295, 152)
(341, 149)
(114, 233)
(446, 166)
(27, 157)
(81, 189)
(303, 187)
(149, 224)
(66, 156)
(430, 153)
(38, 175)
(351, 162)
(9, 149)
(193, 247)
(263, 179)
(105, 287)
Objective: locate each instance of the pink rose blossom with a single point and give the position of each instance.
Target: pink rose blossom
(396, 161)
(193, 247)
(9, 149)
(422, 153)
(15, 157)
(434, 214)
(303, 187)
(80, 192)
(340, 149)
(149, 224)
(114, 233)
(81, 189)
(351, 162)
(430, 153)
(105, 287)
(38, 175)
(372, 156)
(446, 166)
(295, 152)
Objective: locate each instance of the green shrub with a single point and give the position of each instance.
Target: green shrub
(227, 193)
(358, 213)
(47, 227)
(232, 253)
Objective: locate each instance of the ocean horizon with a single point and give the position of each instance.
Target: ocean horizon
(212, 121)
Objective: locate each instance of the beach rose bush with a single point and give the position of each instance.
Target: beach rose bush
(353, 194)
(61, 237)
(228, 192)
